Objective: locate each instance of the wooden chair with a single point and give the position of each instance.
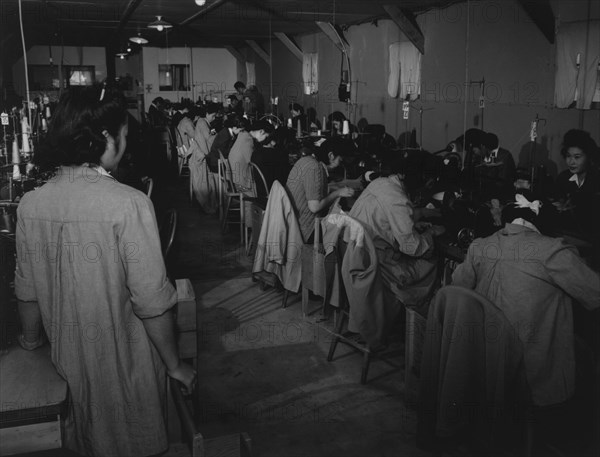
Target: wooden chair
(234, 445)
(230, 195)
(339, 336)
(183, 158)
(167, 231)
(250, 214)
(149, 184)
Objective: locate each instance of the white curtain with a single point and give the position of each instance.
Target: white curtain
(250, 74)
(310, 72)
(572, 40)
(405, 70)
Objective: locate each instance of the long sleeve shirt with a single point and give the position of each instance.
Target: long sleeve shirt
(534, 279)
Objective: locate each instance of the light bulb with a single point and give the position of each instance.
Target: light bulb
(160, 28)
(200, 2)
(122, 56)
(128, 48)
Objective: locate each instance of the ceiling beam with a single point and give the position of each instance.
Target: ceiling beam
(207, 9)
(334, 33)
(406, 21)
(129, 10)
(236, 54)
(540, 12)
(287, 41)
(266, 9)
(264, 56)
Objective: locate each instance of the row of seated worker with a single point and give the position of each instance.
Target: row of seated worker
(534, 279)
(488, 172)
(572, 198)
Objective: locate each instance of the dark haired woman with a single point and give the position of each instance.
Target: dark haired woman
(297, 114)
(578, 187)
(534, 279)
(224, 139)
(240, 155)
(99, 284)
(308, 190)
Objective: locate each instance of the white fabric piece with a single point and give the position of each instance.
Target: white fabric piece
(355, 230)
(571, 42)
(522, 202)
(394, 75)
(250, 74)
(310, 72)
(405, 71)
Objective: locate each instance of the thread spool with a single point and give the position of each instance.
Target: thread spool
(44, 125)
(16, 175)
(16, 158)
(324, 124)
(289, 122)
(25, 134)
(346, 128)
(298, 129)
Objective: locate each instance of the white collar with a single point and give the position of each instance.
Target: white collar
(495, 152)
(99, 169)
(575, 179)
(524, 223)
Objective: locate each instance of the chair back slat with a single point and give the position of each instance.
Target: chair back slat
(255, 168)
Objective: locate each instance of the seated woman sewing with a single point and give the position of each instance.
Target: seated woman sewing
(577, 189)
(404, 245)
(307, 187)
(534, 279)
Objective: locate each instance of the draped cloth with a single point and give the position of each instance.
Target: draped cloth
(471, 371)
(280, 242)
(573, 40)
(310, 72)
(250, 74)
(405, 70)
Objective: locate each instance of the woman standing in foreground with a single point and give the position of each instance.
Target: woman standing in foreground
(90, 269)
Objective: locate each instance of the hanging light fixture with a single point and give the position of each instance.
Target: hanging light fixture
(159, 24)
(121, 55)
(200, 2)
(139, 39)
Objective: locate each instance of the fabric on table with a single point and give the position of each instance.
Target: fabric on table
(533, 279)
(88, 252)
(280, 242)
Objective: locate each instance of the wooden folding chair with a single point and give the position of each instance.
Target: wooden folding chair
(149, 184)
(234, 445)
(230, 194)
(248, 217)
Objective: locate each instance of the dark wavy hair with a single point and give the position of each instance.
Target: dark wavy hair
(580, 139)
(235, 120)
(75, 135)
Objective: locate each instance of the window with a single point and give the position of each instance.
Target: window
(46, 77)
(174, 77)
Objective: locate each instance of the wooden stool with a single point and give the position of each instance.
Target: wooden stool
(32, 395)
